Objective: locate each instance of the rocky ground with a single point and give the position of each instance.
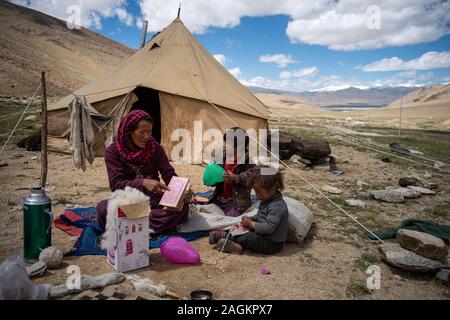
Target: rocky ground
(332, 266)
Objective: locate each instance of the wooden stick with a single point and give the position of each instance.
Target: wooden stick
(44, 164)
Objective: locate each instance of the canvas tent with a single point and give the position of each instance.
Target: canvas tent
(175, 79)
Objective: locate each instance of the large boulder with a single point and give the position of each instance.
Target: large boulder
(399, 257)
(422, 243)
(331, 189)
(388, 195)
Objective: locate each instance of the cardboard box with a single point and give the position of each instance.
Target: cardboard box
(132, 240)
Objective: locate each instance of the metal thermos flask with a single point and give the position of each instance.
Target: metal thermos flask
(37, 223)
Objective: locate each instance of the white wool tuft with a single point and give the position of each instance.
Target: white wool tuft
(116, 199)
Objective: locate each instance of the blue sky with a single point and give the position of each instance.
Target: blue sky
(293, 45)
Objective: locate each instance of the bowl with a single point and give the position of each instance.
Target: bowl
(201, 295)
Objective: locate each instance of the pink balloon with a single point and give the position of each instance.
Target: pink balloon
(178, 250)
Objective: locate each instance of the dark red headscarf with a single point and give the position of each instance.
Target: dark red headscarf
(127, 149)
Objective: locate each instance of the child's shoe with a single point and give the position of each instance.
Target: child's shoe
(228, 246)
(216, 235)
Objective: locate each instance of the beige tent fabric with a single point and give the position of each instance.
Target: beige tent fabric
(180, 113)
(176, 65)
(173, 62)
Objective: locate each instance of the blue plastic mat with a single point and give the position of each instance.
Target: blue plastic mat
(88, 242)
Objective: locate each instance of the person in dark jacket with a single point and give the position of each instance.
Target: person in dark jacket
(267, 230)
(233, 195)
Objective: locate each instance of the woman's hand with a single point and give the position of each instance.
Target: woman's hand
(230, 176)
(155, 186)
(248, 223)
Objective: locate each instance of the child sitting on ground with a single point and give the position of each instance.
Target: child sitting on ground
(268, 228)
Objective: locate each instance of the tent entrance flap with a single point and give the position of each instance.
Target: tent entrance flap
(148, 101)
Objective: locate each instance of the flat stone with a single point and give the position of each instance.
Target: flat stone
(86, 295)
(32, 118)
(388, 196)
(331, 189)
(322, 167)
(398, 278)
(422, 243)
(354, 203)
(362, 184)
(407, 192)
(295, 158)
(110, 290)
(442, 167)
(421, 190)
(408, 181)
(431, 185)
(399, 257)
(444, 276)
(427, 175)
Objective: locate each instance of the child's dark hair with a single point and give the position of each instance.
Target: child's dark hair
(135, 126)
(237, 132)
(267, 181)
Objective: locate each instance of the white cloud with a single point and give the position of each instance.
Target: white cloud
(429, 60)
(125, 17)
(347, 25)
(323, 83)
(404, 79)
(139, 22)
(236, 72)
(281, 60)
(339, 25)
(335, 82)
(221, 58)
(91, 11)
(306, 72)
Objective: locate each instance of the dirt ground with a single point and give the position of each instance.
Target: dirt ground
(332, 266)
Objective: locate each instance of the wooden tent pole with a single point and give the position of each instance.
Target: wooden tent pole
(44, 164)
(144, 33)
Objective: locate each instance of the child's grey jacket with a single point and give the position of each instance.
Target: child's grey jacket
(272, 219)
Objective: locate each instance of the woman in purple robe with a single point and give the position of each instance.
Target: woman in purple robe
(137, 160)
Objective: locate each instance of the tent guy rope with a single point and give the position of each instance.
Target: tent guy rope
(20, 119)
